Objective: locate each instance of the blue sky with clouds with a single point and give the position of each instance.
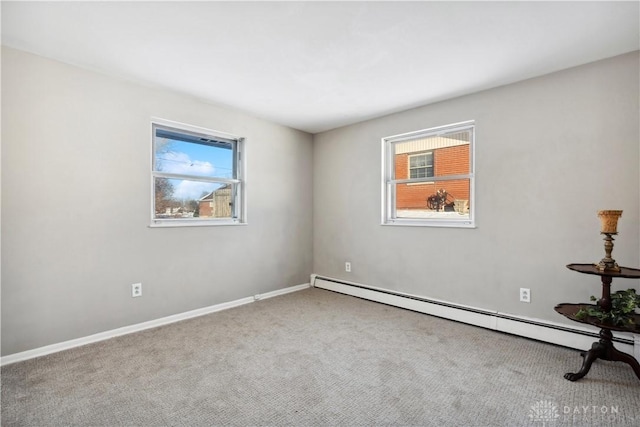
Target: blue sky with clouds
(193, 159)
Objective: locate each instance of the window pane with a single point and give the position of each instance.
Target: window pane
(173, 155)
(419, 161)
(182, 198)
(421, 172)
(447, 155)
(443, 199)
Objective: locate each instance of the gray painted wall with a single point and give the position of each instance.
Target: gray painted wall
(75, 207)
(550, 153)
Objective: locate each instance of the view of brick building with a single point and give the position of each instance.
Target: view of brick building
(432, 157)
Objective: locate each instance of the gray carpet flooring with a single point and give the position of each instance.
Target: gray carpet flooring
(317, 358)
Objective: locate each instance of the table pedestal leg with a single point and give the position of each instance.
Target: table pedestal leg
(597, 351)
(603, 349)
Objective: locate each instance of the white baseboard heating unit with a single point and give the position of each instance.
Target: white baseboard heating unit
(542, 330)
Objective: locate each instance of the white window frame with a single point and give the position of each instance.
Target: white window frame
(389, 180)
(239, 196)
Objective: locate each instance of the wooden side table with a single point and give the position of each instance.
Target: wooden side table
(602, 349)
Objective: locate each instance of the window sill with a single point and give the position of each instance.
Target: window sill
(426, 223)
(192, 223)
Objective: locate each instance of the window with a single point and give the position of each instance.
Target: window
(428, 177)
(197, 176)
(421, 165)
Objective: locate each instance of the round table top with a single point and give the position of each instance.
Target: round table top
(625, 272)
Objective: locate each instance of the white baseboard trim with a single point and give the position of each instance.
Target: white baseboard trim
(578, 337)
(282, 291)
(66, 345)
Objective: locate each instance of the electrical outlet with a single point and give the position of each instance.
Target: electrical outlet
(347, 267)
(525, 295)
(136, 290)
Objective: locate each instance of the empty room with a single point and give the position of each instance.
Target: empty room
(320, 213)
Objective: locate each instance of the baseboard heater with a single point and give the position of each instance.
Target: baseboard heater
(541, 330)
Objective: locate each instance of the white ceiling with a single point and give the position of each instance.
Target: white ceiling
(315, 66)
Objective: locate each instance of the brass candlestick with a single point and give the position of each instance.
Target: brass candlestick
(608, 227)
